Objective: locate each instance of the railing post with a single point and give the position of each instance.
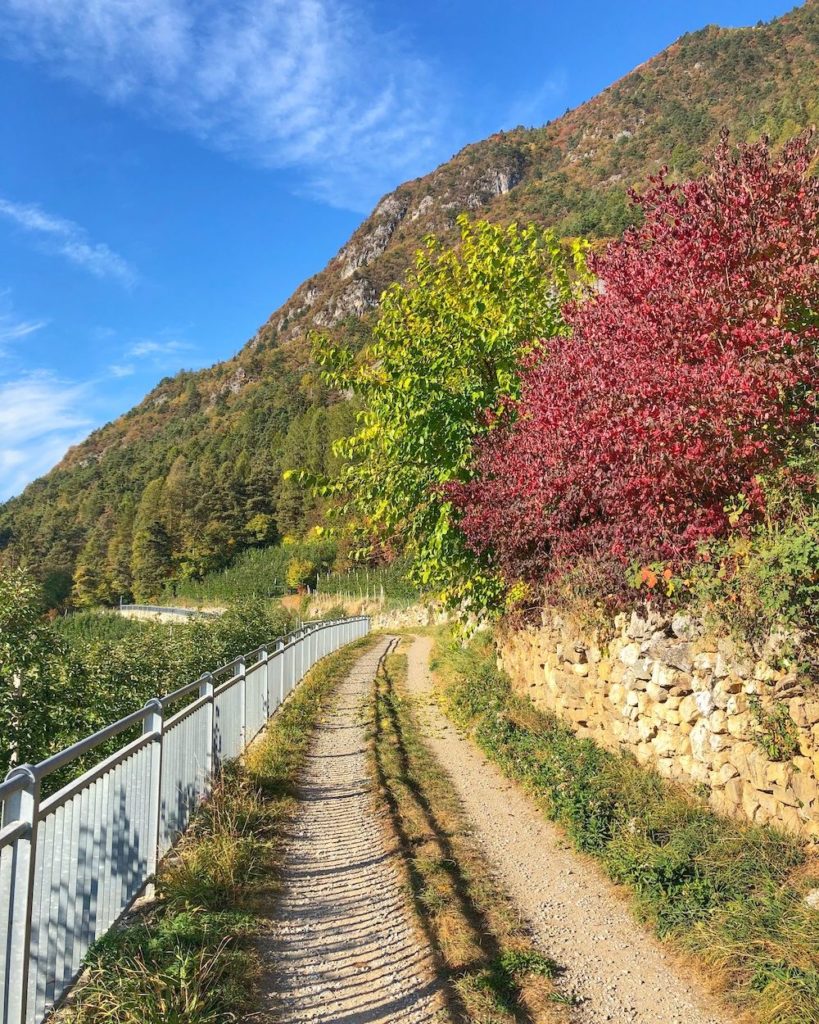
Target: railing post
(153, 724)
(280, 663)
(266, 688)
(240, 666)
(206, 690)
(23, 805)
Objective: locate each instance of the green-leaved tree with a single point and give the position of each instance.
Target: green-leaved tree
(445, 358)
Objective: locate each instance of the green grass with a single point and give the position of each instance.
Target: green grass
(189, 957)
(388, 582)
(95, 627)
(730, 893)
(254, 573)
(491, 972)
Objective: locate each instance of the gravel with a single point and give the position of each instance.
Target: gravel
(343, 945)
(613, 967)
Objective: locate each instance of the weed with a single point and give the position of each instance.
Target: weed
(187, 959)
(719, 888)
(776, 732)
(491, 971)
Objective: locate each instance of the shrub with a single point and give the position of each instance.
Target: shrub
(689, 379)
(446, 348)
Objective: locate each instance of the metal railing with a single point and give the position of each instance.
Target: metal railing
(183, 613)
(71, 864)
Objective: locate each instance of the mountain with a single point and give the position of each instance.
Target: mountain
(193, 473)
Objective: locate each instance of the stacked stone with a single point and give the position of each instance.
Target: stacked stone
(680, 700)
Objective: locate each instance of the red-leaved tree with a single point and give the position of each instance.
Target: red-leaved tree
(691, 374)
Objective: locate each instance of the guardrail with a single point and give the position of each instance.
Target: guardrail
(185, 613)
(73, 863)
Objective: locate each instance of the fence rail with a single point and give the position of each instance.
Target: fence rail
(71, 864)
(155, 609)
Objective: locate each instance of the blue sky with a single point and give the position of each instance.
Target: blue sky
(172, 169)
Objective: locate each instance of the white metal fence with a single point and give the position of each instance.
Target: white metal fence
(72, 863)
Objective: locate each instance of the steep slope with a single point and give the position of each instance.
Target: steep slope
(193, 473)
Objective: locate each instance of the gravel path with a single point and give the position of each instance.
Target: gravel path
(344, 948)
(619, 971)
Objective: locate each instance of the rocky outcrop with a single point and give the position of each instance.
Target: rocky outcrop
(693, 706)
(355, 300)
(366, 246)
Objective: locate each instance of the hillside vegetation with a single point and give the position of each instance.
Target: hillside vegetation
(193, 475)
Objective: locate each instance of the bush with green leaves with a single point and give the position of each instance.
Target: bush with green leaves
(58, 684)
(443, 363)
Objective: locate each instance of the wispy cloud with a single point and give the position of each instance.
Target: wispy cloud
(41, 416)
(160, 353)
(11, 329)
(152, 347)
(305, 84)
(68, 239)
(120, 370)
(13, 326)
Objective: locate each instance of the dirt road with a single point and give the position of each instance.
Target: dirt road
(344, 947)
(616, 969)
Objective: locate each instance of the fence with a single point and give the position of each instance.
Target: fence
(155, 609)
(73, 863)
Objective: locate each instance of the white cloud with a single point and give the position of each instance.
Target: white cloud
(150, 347)
(14, 327)
(68, 239)
(11, 329)
(41, 416)
(303, 84)
(121, 370)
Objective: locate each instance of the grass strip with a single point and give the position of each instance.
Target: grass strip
(491, 971)
(188, 957)
(728, 892)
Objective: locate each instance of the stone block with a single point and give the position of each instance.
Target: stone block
(733, 791)
(689, 709)
(683, 685)
(718, 722)
(704, 662)
(646, 729)
(630, 654)
(725, 773)
(616, 694)
(778, 773)
(804, 787)
(700, 737)
(790, 819)
(684, 627)
(740, 726)
(786, 797)
(812, 712)
(750, 801)
(674, 654)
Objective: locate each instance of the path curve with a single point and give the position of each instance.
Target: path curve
(344, 947)
(619, 971)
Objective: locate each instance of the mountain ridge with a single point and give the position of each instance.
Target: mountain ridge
(228, 430)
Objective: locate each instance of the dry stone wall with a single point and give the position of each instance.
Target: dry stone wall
(691, 705)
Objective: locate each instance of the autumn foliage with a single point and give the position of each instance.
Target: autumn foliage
(690, 379)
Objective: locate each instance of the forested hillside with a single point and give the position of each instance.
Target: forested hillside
(193, 474)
